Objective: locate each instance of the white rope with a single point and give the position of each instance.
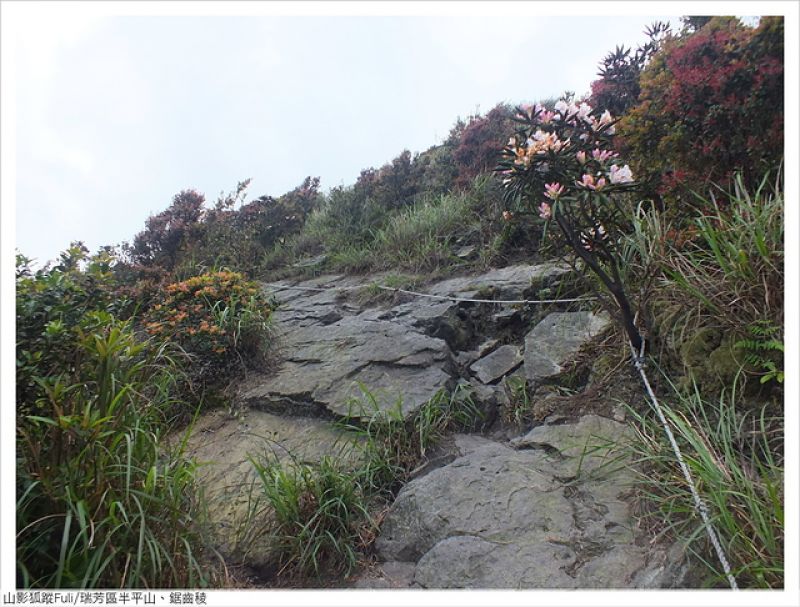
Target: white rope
(699, 504)
(430, 295)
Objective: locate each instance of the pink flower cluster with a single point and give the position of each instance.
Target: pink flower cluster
(572, 113)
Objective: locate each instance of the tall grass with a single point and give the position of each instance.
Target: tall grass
(736, 460)
(393, 444)
(319, 515)
(724, 266)
(321, 519)
(102, 501)
(421, 237)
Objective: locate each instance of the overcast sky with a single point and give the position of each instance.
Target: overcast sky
(115, 115)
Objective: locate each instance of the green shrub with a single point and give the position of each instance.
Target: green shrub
(219, 318)
(723, 272)
(102, 501)
(50, 304)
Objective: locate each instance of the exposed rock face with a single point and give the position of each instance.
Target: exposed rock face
(223, 445)
(544, 509)
(331, 347)
(495, 365)
(549, 514)
(556, 339)
(326, 363)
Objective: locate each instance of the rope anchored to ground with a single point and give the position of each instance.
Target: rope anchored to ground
(278, 287)
(699, 505)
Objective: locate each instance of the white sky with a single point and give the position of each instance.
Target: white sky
(115, 115)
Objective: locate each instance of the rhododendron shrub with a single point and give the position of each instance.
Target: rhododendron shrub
(475, 144)
(561, 165)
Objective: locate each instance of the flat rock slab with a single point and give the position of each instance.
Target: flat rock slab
(558, 338)
(222, 445)
(326, 366)
(500, 517)
(505, 283)
(496, 364)
(590, 444)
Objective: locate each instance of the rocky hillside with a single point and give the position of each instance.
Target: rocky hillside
(540, 500)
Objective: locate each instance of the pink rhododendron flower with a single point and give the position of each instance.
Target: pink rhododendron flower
(507, 215)
(620, 174)
(602, 155)
(561, 106)
(553, 190)
(545, 211)
(588, 181)
(584, 109)
(581, 156)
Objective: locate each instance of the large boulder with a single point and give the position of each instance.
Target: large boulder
(550, 513)
(325, 366)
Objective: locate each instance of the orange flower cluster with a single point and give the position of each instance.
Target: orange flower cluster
(187, 313)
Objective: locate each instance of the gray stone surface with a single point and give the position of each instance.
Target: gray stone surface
(530, 517)
(222, 445)
(495, 365)
(556, 339)
(547, 509)
(329, 347)
(592, 443)
(505, 283)
(389, 575)
(325, 365)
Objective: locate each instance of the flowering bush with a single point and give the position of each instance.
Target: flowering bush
(560, 162)
(219, 317)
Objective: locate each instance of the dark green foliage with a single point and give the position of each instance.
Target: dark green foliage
(618, 89)
(101, 501)
(763, 349)
(52, 303)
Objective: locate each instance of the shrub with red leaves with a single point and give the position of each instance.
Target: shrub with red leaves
(479, 142)
(711, 104)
